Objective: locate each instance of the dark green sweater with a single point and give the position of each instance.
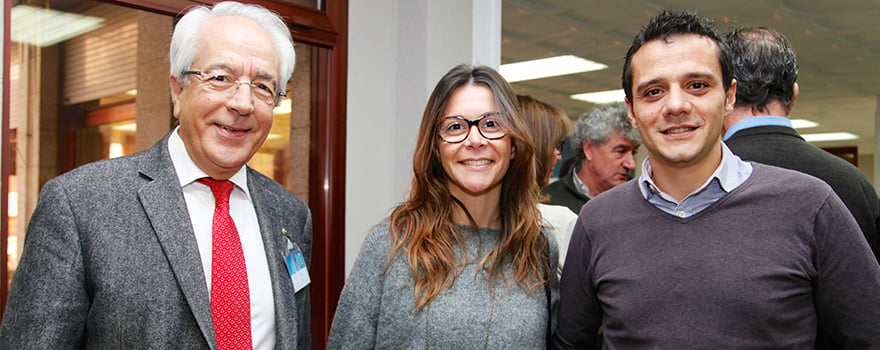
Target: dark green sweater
(564, 192)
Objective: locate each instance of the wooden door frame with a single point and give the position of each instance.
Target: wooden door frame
(6, 161)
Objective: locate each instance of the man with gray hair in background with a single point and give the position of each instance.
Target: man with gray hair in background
(604, 144)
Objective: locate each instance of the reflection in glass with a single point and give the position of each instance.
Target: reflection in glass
(312, 4)
(285, 155)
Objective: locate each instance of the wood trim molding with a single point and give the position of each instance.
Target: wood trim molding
(112, 114)
(327, 187)
(5, 162)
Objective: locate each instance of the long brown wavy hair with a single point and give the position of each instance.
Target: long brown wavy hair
(423, 225)
(550, 126)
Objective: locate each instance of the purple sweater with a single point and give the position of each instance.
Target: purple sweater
(762, 267)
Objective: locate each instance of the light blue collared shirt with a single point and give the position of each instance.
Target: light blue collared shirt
(752, 122)
(731, 173)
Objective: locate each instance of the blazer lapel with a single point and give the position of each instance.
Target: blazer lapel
(162, 199)
(275, 243)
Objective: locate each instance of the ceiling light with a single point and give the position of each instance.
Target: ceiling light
(130, 126)
(830, 136)
(601, 97)
(547, 67)
(803, 123)
(45, 27)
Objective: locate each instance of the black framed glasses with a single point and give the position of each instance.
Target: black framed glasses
(560, 146)
(455, 129)
(222, 81)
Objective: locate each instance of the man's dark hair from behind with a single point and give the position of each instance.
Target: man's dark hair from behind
(766, 67)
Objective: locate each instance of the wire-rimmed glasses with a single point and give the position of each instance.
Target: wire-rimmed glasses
(455, 129)
(222, 81)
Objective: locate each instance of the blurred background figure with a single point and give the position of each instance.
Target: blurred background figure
(604, 144)
(550, 126)
(463, 262)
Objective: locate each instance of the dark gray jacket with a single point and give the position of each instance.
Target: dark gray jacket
(564, 192)
(784, 147)
(111, 261)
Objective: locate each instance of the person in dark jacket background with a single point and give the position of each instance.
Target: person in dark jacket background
(759, 130)
(604, 144)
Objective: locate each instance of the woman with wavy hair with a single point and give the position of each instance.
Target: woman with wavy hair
(462, 263)
(550, 126)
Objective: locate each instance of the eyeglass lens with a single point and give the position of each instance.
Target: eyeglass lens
(261, 89)
(454, 129)
(560, 146)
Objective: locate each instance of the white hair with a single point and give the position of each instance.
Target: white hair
(185, 39)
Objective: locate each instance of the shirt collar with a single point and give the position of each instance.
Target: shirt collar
(187, 170)
(731, 173)
(578, 184)
(751, 122)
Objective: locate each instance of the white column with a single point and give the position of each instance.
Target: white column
(487, 33)
(371, 155)
(398, 50)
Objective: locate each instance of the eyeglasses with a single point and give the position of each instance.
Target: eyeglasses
(560, 146)
(455, 129)
(221, 81)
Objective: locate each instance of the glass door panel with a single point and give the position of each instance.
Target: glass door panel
(312, 4)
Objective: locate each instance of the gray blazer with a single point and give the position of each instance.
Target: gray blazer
(111, 261)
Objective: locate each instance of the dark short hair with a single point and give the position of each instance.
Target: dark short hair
(766, 67)
(672, 23)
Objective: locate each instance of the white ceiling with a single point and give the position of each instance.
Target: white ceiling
(837, 43)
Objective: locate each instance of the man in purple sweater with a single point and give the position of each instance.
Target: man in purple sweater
(704, 250)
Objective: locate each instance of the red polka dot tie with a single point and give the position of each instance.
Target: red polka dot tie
(230, 297)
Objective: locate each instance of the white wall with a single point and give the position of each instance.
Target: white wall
(398, 50)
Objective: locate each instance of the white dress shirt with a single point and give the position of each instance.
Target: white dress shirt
(200, 204)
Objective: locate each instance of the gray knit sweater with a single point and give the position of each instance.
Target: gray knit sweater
(761, 268)
(376, 310)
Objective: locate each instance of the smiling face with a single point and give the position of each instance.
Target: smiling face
(679, 101)
(609, 164)
(475, 166)
(222, 131)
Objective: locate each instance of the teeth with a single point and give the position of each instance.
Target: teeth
(231, 129)
(476, 162)
(678, 130)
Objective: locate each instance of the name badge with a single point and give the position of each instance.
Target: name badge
(296, 265)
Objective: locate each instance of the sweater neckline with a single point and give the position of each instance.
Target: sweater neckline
(468, 229)
(756, 170)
